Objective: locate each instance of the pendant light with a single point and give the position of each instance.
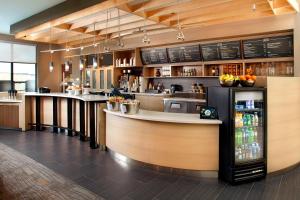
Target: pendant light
(146, 39)
(120, 42)
(95, 63)
(81, 64)
(180, 35)
(67, 66)
(81, 60)
(106, 48)
(254, 7)
(51, 64)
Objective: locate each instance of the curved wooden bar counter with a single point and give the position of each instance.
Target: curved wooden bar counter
(172, 140)
(78, 114)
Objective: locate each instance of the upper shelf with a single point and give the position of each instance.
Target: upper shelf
(256, 60)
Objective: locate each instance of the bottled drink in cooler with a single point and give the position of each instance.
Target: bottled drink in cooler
(255, 121)
(254, 134)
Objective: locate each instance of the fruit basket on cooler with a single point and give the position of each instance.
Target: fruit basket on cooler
(247, 80)
(228, 80)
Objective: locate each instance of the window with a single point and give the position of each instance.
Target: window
(5, 76)
(17, 67)
(24, 77)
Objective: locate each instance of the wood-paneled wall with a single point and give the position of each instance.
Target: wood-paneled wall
(283, 122)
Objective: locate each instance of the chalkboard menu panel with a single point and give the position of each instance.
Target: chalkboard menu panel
(230, 50)
(154, 56)
(175, 55)
(184, 54)
(255, 48)
(281, 46)
(210, 52)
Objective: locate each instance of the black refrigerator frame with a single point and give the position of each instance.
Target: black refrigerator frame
(223, 99)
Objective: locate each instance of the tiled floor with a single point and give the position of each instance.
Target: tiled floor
(111, 179)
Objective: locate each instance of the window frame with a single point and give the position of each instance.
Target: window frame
(12, 62)
(12, 82)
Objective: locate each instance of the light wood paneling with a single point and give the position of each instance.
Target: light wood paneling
(101, 125)
(283, 122)
(77, 115)
(159, 16)
(63, 113)
(47, 110)
(173, 145)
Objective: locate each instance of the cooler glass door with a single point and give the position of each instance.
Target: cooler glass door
(248, 126)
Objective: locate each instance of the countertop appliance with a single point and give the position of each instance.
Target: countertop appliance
(183, 105)
(176, 88)
(242, 155)
(44, 90)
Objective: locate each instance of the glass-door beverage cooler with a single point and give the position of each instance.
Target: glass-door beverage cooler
(243, 133)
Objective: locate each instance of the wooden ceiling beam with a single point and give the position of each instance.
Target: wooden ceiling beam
(128, 26)
(180, 7)
(281, 6)
(206, 12)
(72, 17)
(88, 40)
(132, 29)
(131, 9)
(113, 23)
(98, 18)
(237, 18)
(280, 3)
(139, 30)
(205, 15)
(155, 4)
(294, 4)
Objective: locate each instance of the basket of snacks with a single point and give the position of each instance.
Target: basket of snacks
(130, 107)
(113, 103)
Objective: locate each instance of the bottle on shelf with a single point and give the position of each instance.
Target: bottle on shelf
(255, 119)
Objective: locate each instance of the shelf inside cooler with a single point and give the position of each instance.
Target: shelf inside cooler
(249, 110)
(251, 126)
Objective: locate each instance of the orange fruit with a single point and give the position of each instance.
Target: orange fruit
(242, 78)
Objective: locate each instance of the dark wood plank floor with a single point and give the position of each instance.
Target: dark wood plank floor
(98, 172)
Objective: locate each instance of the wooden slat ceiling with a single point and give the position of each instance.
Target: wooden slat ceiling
(131, 17)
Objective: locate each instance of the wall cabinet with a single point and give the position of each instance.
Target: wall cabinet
(102, 79)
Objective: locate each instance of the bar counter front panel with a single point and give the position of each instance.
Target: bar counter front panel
(187, 145)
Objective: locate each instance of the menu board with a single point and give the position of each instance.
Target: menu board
(184, 54)
(281, 46)
(154, 56)
(210, 52)
(230, 50)
(255, 48)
